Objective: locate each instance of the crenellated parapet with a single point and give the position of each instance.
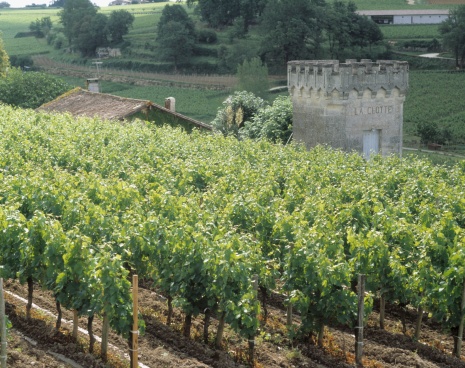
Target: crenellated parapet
(325, 78)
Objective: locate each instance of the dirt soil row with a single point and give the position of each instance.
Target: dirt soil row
(164, 346)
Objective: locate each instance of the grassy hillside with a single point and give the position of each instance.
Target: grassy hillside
(428, 96)
(140, 51)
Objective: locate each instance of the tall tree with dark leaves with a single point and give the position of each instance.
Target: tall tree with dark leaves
(72, 16)
(176, 34)
(92, 33)
(453, 34)
(118, 25)
(220, 13)
(292, 29)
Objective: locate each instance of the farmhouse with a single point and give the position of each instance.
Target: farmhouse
(80, 102)
(428, 16)
(354, 106)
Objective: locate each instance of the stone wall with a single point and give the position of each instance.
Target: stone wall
(341, 104)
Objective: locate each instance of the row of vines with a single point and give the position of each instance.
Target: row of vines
(83, 204)
(444, 109)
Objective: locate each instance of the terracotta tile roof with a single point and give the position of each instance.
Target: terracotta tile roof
(80, 102)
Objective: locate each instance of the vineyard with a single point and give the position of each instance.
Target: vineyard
(221, 227)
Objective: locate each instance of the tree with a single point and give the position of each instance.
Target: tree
(176, 34)
(41, 27)
(176, 13)
(4, 4)
(72, 16)
(176, 42)
(91, 34)
(253, 77)
(337, 28)
(4, 60)
(345, 28)
(30, 90)
(118, 25)
(271, 122)
(369, 32)
(236, 111)
(220, 13)
(292, 29)
(453, 34)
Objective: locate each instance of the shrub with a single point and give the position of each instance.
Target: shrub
(20, 61)
(237, 109)
(252, 76)
(31, 89)
(273, 122)
(207, 36)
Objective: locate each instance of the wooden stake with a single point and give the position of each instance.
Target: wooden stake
(220, 330)
(359, 328)
(135, 326)
(104, 343)
(382, 309)
(418, 324)
(251, 341)
(460, 334)
(75, 323)
(2, 326)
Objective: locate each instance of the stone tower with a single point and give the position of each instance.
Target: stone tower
(354, 106)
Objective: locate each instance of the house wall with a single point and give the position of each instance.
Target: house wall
(419, 19)
(342, 104)
(162, 117)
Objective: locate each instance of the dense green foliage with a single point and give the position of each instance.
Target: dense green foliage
(73, 14)
(292, 30)
(30, 90)
(237, 109)
(4, 60)
(252, 76)
(118, 25)
(225, 12)
(176, 34)
(453, 34)
(247, 116)
(434, 100)
(82, 202)
(41, 27)
(272, 122)
(87, 29)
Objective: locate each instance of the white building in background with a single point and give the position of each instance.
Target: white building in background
(426, 16)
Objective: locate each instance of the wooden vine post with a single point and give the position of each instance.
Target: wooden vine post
(252, 338)
(460, 333)
(75, 323)
(359, 327)
(2, 326)
(135, 326)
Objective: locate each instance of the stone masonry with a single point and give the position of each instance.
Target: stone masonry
(354, 106)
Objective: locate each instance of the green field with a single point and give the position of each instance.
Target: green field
(414, 31)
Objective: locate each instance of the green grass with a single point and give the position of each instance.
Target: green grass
(13, 21)
(414, 31)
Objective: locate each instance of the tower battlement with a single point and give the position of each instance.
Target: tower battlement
(329, 75)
